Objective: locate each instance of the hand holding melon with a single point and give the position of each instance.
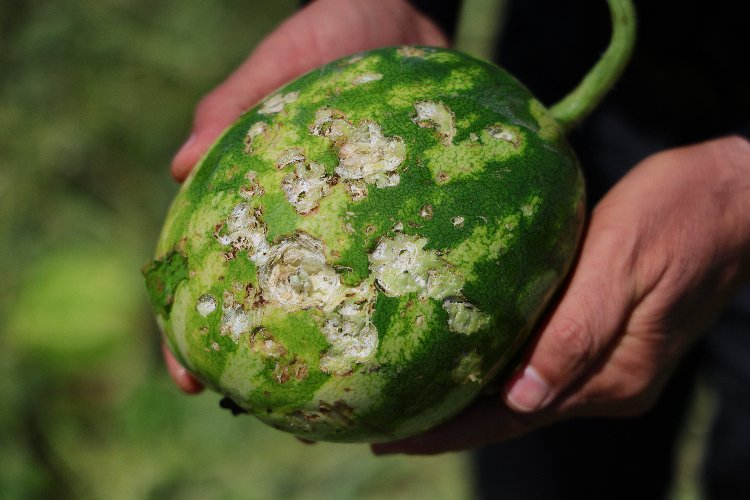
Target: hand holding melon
(362, 251)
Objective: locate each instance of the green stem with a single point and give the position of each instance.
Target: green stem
(575, 106)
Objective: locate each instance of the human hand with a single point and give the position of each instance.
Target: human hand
(323, 31)
(664, 251)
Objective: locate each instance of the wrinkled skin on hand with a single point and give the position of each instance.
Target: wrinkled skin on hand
(664, 250)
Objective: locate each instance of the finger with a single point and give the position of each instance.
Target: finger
(485, 421)
(584, 326)
(186, 382)
(308, 39)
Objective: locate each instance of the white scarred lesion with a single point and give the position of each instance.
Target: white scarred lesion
(365, 154)
(296, 275)
(293, 274)
(264, 343)
(504, 133)
(465, 318)
(411, 51)
(469, 369)
(206, 304)
(255, 130)
(241, 311)
(244, 230)
(357, 190)
(306, 186)
(253, 188)
(277, 102)
(366, 78)
(289, 157)
(426, 212)
(401, 265)
(352, 336)
(437, 116)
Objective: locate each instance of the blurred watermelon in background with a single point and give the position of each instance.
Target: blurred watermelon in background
(94, 99)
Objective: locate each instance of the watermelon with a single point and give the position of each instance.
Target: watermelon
(362, 252)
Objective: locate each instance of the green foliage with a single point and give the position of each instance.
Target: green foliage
(95, 97)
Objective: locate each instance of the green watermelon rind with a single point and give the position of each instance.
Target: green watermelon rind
(497, 199)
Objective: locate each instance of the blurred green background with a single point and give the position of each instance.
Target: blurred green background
(95, 97)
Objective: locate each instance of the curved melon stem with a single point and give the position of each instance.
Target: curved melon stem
(575, 106)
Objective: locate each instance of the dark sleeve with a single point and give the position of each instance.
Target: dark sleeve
(443, 13)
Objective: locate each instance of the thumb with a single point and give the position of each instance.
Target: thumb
(583, 327)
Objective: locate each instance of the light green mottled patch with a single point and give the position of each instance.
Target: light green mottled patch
(549, 129)
(467, 121)
(459, 80)
(462, 79)
(346, 77)
(176, 212)
(469, 369)
(531, 206)
(276, 140)
(328, 223)
(178, 319)
(212, 209)
(469, 157)
(483, 244)
(212, 266)
(243, 372)
(444, 57)
(404, 95)
(405, 334)
(368, 386)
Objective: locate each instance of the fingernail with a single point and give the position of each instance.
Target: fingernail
(527, 392)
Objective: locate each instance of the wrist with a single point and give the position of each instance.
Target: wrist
(737, 154)
(729, 166)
